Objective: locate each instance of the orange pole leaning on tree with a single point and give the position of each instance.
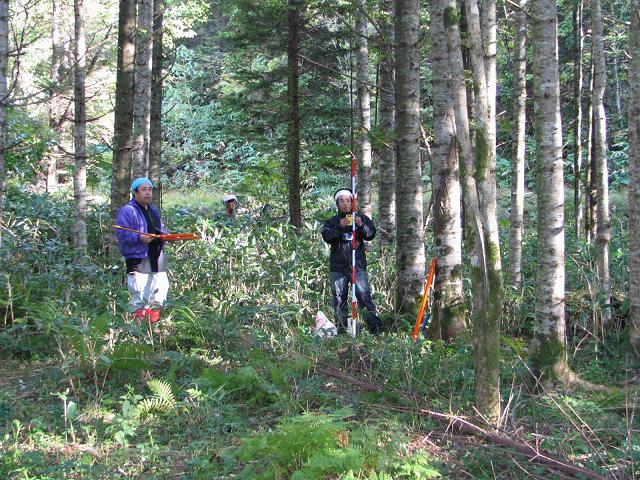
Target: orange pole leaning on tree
(425, 297)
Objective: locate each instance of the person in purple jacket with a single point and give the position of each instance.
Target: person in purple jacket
(144, 255)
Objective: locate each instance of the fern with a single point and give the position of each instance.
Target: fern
(163, 401)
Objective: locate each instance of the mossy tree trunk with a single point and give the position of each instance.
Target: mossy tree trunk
(142, 88)
(364, 111)
(155, 127)
(634, 170)
(549, 351)
(387, 125)
(79, 132)
(578, 80)
(293, 126)
(410, 258)
(122, 118)
(516, 217)
(448, 312)
(603, 230)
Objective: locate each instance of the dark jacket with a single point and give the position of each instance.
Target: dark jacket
(340, 241)
(131, 216)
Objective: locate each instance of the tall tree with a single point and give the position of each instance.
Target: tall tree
(387, 124)
(578, 80)
(4, 96)
(634, 170)
(486, 327)
(155, 128)
(79, 131)
(293, 125)
(549, 344)
(518, 141)
(122, 129)
(364, 110)
(448, 312)
(142, 88)
(478, 180)
(56, 117)
(603, 228)
(410, 257)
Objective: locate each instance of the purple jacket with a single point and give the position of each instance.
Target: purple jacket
(131, 216)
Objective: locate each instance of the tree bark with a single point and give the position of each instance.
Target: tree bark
(448, 312)
(578, 80)
(549, 344)
(410, 257)
(364, 111)
(486, 327)
(123, 122)
(634, 170)
(142, 88)
(4, 94)
(603, 228)
(387, 125)
(519, 144)
(55, 107)
(591, 188)
(293, 125)
(79, 132)
(155, 128)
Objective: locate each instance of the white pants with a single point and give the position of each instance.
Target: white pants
(147, 289)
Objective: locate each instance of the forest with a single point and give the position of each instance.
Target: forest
(319, 239)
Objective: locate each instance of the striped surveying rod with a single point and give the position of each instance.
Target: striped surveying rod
(425, 297)
(351, 323)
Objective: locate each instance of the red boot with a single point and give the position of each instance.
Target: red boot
(154, 315)
(140, 315)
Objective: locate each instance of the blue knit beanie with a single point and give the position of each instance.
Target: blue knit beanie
(140, 181)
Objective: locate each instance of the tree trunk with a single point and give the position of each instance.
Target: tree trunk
(517, 170)
(364, 110)
(123, 124)
(4, 62)
(448, 312)
(293, 125)
(142, 89)
(79, 133)
(55, 101)
(486, 327)
(600, 153)
(591, 189)
(410, 258)
(549, 344)
(634, 171)
(155, 128)
(387, 125)
(578, 196)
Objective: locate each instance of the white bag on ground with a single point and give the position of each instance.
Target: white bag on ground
(324, 327)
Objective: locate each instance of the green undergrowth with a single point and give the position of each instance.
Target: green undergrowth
(235, 386)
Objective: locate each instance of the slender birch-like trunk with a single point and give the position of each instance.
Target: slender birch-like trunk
(55, 105)
(517, 163)
(634, 171)
(122, 118)
(4, 97)
(387, 124)
(410, 257)
(79, 132)
(364, 111)
(142, 88)
(603, 229)
(549, 344)
(578, 80)
(448, 312)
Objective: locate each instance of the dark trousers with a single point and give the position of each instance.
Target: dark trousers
(342, 299)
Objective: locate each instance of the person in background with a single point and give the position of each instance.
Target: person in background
(230, 204)
(337, 232)
(144, 254)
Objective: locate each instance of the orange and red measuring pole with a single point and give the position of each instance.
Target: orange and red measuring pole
(351, 323)
(425, 297)
(167, 237)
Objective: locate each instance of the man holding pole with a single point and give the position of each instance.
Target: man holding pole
(338, 232)
(144, 256)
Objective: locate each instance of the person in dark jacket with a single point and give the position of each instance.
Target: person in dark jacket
(337, 232)
(144, 255)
